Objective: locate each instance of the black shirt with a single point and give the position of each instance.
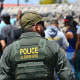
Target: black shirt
(8, 33)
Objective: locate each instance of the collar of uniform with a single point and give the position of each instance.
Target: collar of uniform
(30, 34)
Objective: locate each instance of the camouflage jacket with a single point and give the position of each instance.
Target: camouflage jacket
(54, 57)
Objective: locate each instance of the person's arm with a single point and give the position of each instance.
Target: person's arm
(69, 35)
(5, 69)
(14, 20)
(3, 44)
(19, 15)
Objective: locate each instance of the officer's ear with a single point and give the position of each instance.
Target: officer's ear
(36, 27)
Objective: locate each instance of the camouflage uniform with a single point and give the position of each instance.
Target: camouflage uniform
(52, 57)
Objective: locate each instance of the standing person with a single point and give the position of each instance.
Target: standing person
(32, 57)
(2, 45)
(71, 37)
(12, 20)
(9, 30)
(53, 33)
(76, 56)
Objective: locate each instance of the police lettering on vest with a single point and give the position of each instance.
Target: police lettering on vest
(27, 53)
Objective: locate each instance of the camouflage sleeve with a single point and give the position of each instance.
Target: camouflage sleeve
(5, 70)
(62, 65)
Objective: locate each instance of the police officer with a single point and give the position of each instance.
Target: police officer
(32, 57)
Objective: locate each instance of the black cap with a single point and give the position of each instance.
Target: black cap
(68, 18)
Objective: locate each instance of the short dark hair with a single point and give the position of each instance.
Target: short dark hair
(6, 16)
(54, 21)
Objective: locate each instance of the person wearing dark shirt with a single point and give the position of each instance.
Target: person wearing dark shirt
(71, 37)
(8, 31)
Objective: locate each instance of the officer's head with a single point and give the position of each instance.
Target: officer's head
(32, 21)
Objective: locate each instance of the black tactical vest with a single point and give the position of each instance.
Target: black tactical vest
(29, 60)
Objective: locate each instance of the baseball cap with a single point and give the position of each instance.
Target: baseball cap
(5, 16)
(29, 18)
(68, 18)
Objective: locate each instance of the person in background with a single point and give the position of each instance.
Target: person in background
(8, 31)
(33, 57)
(76, 56)
(54, 34)
(71, 37)
(12, 20)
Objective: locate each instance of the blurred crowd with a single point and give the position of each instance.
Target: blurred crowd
(68, 37)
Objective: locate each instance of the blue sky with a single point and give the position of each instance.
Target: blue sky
(72, 0)
(30, 1)
(22, 1)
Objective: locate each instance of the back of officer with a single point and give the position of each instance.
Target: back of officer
(33, 57)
